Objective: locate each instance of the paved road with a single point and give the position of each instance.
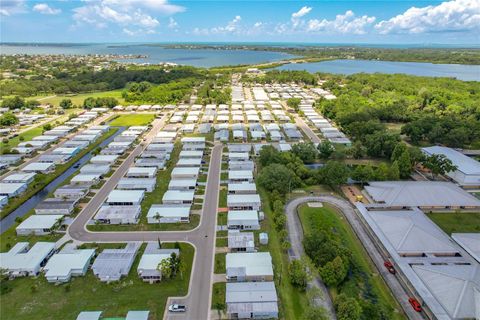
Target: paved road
(202, 237)
(65, 139)
(303, 125)
(296, 236)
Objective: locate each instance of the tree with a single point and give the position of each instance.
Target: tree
(438, 164)
(285, 245)
(357, 150)
(400, 149)
(165, 268)
(297, 272)
(315, 313)
(13, 103)
(325, 149)
(334, 272)
(404, 164)
(363, 174)
(347, 308)
(269, 155)
(8, 119)
(333, 174)
(294, 103)
(305, 151)
(47, 127)
(66, 104)
(394, 171)
(278, 177)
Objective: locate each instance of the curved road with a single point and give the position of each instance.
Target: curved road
(296, 236)
(202, 237)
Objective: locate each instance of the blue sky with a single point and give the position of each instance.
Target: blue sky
(455, 22)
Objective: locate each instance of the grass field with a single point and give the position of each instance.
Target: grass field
(220, 263)
(77, 99)
(127, 120)
(218, 295)
(36, 299)
(451, 222)
(363, 280)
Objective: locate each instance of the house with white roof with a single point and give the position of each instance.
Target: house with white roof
(67, 263)
(250, 266)
(21, 260)
(19, 177)
(148, 269)
(141, 172)
(104, 159)
(182, 184)
(118, 214)
(251, 300)
(146, 184)
(38, 225)
(178, 197)
(12, 189)
(243, 202)
(242, 188)
(185, 173)
(125, 197)
(39, 167)
(243, 220)
(85, 179)
(467, 173)
(240, 176)
(159, 213)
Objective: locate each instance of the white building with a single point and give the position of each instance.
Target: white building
(168, 214)
(148, 269)
(67, 263)
(125, 197)
(241, 241)
(12, 189)
(468, 169)
(251, 300)
(243, 202)
(22, 260)
(38, 225)
(118, 214)
(177, 197)
(250, 266)
(243, 220)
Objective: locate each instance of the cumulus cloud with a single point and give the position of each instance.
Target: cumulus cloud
(296, 18)
(232, 26)
(44, 8)
(343, 23)
(11, 7)
(450, 16)
(128, 14)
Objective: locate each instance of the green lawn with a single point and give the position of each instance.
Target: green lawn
(222, 198)
(220, 263)
(218, 295)
(363, 280)
(137, 119)
(9, 238)
(32, 299)
(292, 301)
(41, 180)
(451, 222)
(77, 99)
(221, 242)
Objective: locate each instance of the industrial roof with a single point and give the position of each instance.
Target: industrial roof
(255, 263)
(464, 164)
(455, 287)
(470, 242)
(420, 193)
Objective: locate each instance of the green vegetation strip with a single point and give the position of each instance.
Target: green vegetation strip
(35, 299)
(451, 222)
(218, 295)
(127, 120)
(220, 263)
(42, 180)
(363, 283)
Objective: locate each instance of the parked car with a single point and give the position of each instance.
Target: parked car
(177, 308)
(415, 304)
(389, 267)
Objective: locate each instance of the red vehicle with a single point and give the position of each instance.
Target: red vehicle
(389, 267)
(415, 304)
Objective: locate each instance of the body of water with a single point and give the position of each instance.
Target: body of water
(30, 204)
(155, 54)
(461, 72)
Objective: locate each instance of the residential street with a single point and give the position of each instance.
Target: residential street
(202, 237)
(296, 236)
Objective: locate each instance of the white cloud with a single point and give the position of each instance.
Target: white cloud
(172, 24)
(128, 14)
(44, 8)
(232, 26)
(456, 15)
(343, 23)
(11, 7)
(296, 18)
(300, 13)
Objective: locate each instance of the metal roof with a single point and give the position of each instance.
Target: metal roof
(19, 257)
(62, 263)
(470, 242)
(464, 164)
(40, 221)
(134, 196)
(254, 263)
(166, 211)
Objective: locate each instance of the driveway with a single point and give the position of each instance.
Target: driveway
(296, 237)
